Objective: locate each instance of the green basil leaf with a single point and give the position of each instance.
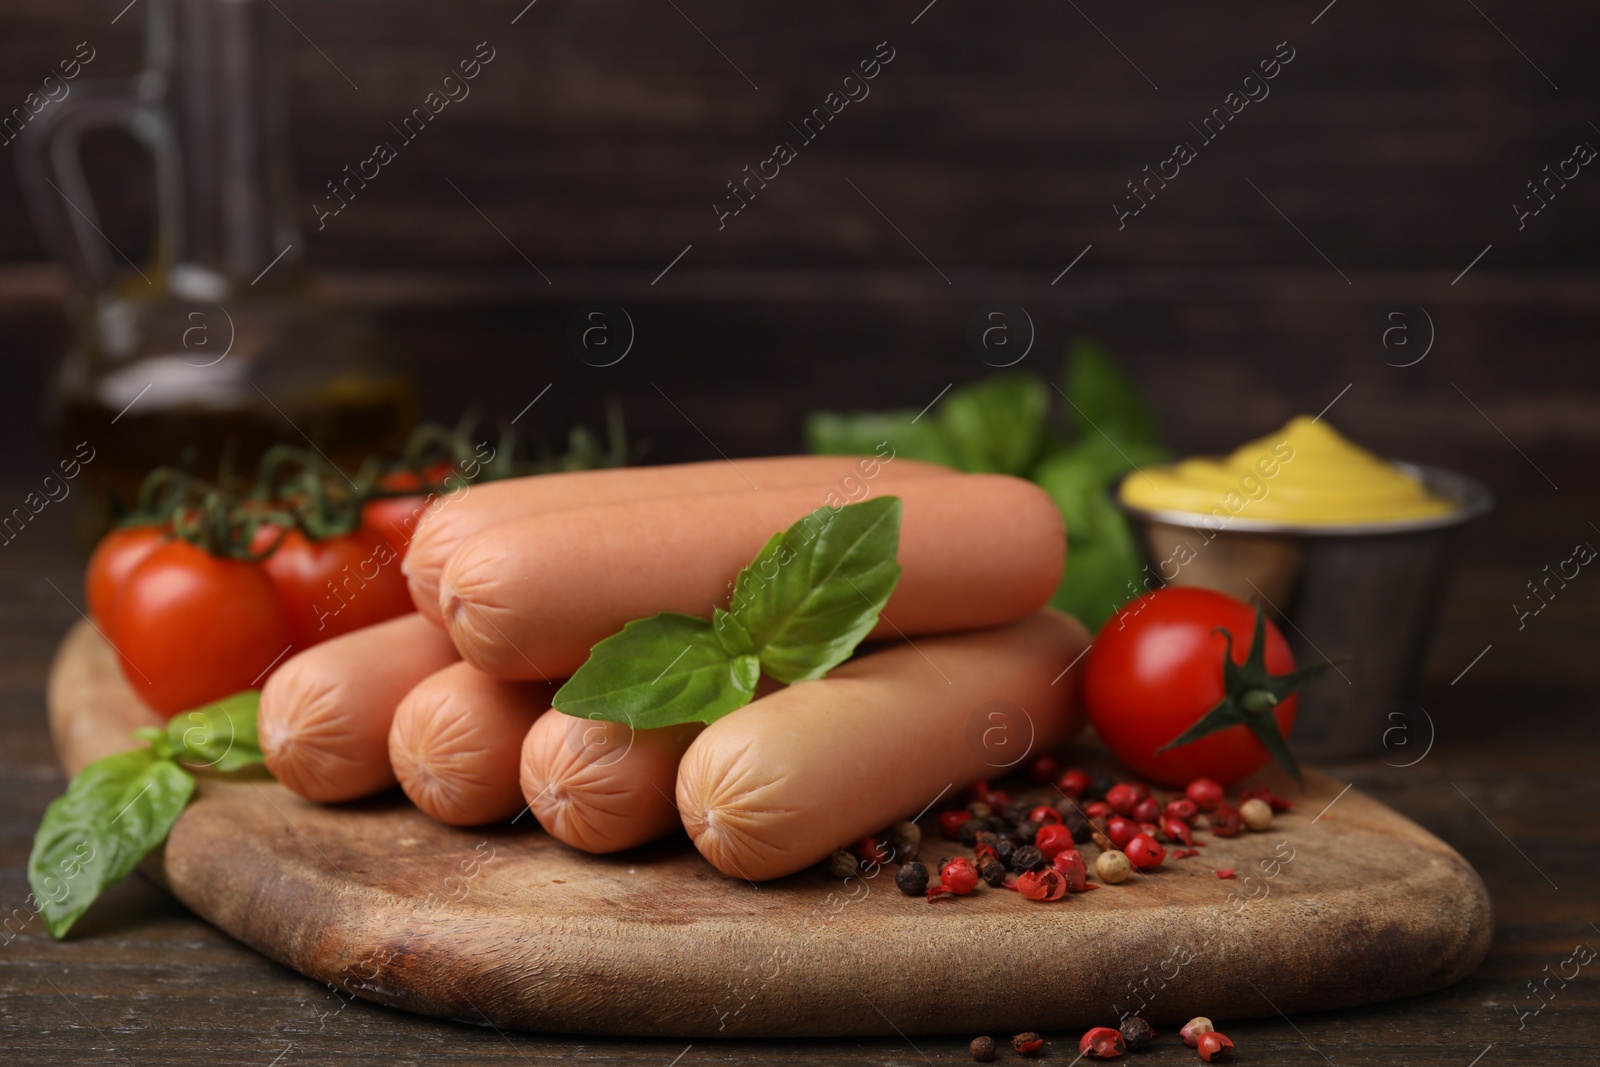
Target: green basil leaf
(660, 671)
(816, 589)
(997, 426)
(1104, 401)
(907, 433)
(1104, 565)
(113, 814)
(220, 736)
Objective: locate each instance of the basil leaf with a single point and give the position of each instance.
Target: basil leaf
(1104, 565)
(866, 433)
(816, 589)
(1104, 401)
(997, 426)
(660, 671)
(220, 736)
(113, 814)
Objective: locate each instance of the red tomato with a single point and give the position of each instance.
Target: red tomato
(1156, 668)
(335, 586)
(395, 518)
(192, 627)
(114, 558)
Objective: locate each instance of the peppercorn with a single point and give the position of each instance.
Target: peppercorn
(1043, 814)
(1079, 825)
(872, 850)
(1102, 842)
(1181, 808)
(985, 837)
(1112, 867)
(1256, 813)
(1205, 793)
(993, 873)
(907, 840)
(1136, 1033)
(982, 1049)
(1027, 831)
(957, 877)
(944, 861)
(1017, 810)
(1073, 783)
(1214, 1046)
(1100, 783)
(1176, 830)
(969, 831)
(1192, 1030)
(911, 879)
(1043, 768)
(843, 863)
(950, 822)
(1278, 803)
(1147, 810)
(1047, 885)
(1027, 858)
(1053, 839)
(1145, 853)
(1097, 809)
(1124, 797)
(1225, 820)
(1103, 1043)
(1004, 848)
(979, 810)
(1028, 1044)
(997, 799)
(1121, 831)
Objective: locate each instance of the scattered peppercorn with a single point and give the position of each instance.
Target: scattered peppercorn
(1176, 830)
(982, 1049)
(1145, 853)
(872, 850)
(1044, 814)
(997, 799)
(1043, 769)
(1097, 809)
(1205, 793)
(1102, 842)
(968, 832)
(1003, 849)
(906, 837)
(843, 863)
(950, 822)
(1041, 885)
(1072, 867)
(1136, 1033)
(1100, 784)
(1029, 1044)
(1102, 1043)
(993, 873)
(985, 837)
(1214, 1046)
(1075, 821)
(1191, 1030)
(1124, 797)
(1225, 873)
(1112, 867)
(1027, 858)
(1183, 853)
(1073, 783)
(1262, 792)
(1053, 840)
(957, 877)
(1256, 813)
(1181, 808)
(1147, 810)
(979, 810)
(1225, 821)
(1027, 831)
(1017, 811)
(911, 879)
(1120, 831)
(944, 861)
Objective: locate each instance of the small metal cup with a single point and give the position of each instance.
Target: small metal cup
(1366, 591)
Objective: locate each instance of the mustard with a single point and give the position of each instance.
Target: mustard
(1306, 473)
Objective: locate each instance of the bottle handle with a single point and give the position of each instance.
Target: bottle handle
(50, 166)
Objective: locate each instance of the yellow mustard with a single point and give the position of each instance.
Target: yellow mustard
(1305, 473)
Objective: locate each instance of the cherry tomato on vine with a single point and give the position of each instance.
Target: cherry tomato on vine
(191, 627)
(1156, 670)
(396, 518)
(113, 559)
(334, 586)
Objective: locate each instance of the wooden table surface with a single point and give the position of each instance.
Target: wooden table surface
(1509, 781)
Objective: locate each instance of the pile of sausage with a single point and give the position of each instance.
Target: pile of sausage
(515, 581)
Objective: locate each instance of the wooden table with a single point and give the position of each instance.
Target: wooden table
(1509, 781)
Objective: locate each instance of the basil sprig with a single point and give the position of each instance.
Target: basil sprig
(120, 809)
(798, 610)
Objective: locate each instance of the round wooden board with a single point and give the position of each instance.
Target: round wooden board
(502, 925)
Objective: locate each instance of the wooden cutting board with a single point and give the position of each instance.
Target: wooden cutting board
(505, 926)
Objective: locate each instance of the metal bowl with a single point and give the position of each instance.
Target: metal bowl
(1367, 591)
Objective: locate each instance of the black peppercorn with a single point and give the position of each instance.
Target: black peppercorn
(1078, 823)
(982, 1049)
(986, 837)
(968, 834)
(1027, 858)
(1099, 784)
(912, 879)
(979, 810)
(1136, 1033)
(992, 872)
(1027, 831)
(1017, 810)
(998, 824)
(1003, 849)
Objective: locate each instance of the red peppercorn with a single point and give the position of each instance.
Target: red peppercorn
(1121, 831)
(958, 877)
(1184, 853)
(1214, 1046)
(1226, 821)
(977, 790)
(1225, 873)
(871, 850)
(997, 799)
(950, 822)
(1053, 840)
(1102, 1043)
(1097, 809)
(1181, 808)
(1205, 793)
(1047, 884)
(1174, 829)
(1073, 868)
(1125, 796)
(1028, 1044)
(1145, 853)
(1043, 769)
(1277, 803)
(1073, 783)
(1044, 813)
(1147, 810)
